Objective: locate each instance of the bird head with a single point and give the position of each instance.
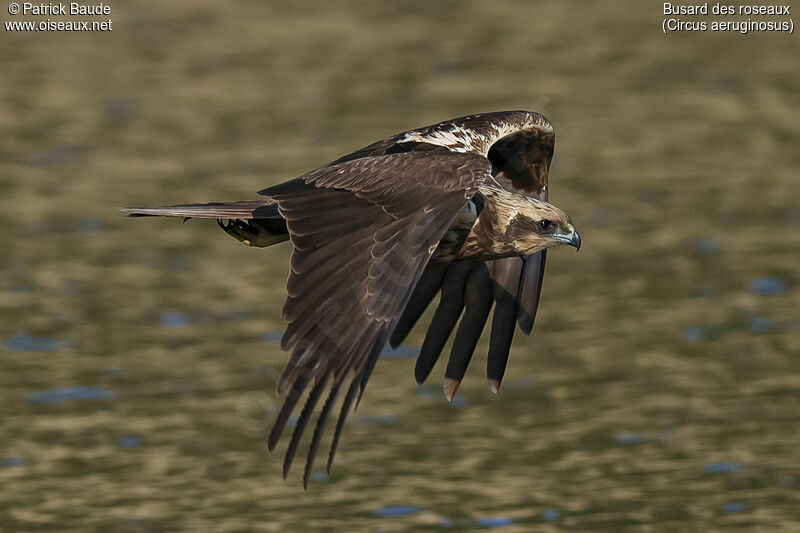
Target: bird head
(532, 225)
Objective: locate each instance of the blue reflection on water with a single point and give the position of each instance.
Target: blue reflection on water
(551, 514)
(273, 336)
(470, 524)
(631, 438)
(175, 320)
(694, 334)
(459, 400)
(7, 462)
(395, 511)
(495, 521)
(767, 286)
(722, 468)
(130, 441)
(90, 225)
(760, 324)
(706, 245)
(71, 393)
(734, 507)
(401, 352)
(27, 343)
(426, 390)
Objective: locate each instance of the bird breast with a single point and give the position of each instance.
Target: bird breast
(449, 248)
(476, 235)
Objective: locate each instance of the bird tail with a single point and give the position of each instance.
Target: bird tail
(251, 222)
(241, 210)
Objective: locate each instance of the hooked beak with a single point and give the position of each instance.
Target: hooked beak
(573, 239)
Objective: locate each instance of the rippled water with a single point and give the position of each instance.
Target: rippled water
(659, 392)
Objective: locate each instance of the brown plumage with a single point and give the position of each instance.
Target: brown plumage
(458, 208)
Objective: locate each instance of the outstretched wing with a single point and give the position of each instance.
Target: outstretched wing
(519, 145)
(363, 232)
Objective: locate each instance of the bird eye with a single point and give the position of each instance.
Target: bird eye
(545, 225)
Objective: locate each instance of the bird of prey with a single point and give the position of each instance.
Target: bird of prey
(458, 208)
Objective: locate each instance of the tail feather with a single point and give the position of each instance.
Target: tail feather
(242, 210)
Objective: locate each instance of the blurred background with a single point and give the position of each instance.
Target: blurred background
(660, 390)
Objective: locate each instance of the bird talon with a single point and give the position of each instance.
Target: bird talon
(251, 233)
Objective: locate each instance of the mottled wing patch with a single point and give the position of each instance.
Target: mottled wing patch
(451, 136)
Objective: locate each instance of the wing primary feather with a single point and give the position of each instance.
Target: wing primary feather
(450, 387)
(318, 430)
(305, 415)
(477, 304)
(288, 406)
(348, 400)
(444, 319)
(530, 290)
(369, 367)
(503, 325)
(506, 277)
(427, 287)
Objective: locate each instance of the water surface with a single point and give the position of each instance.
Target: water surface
(660, 389)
